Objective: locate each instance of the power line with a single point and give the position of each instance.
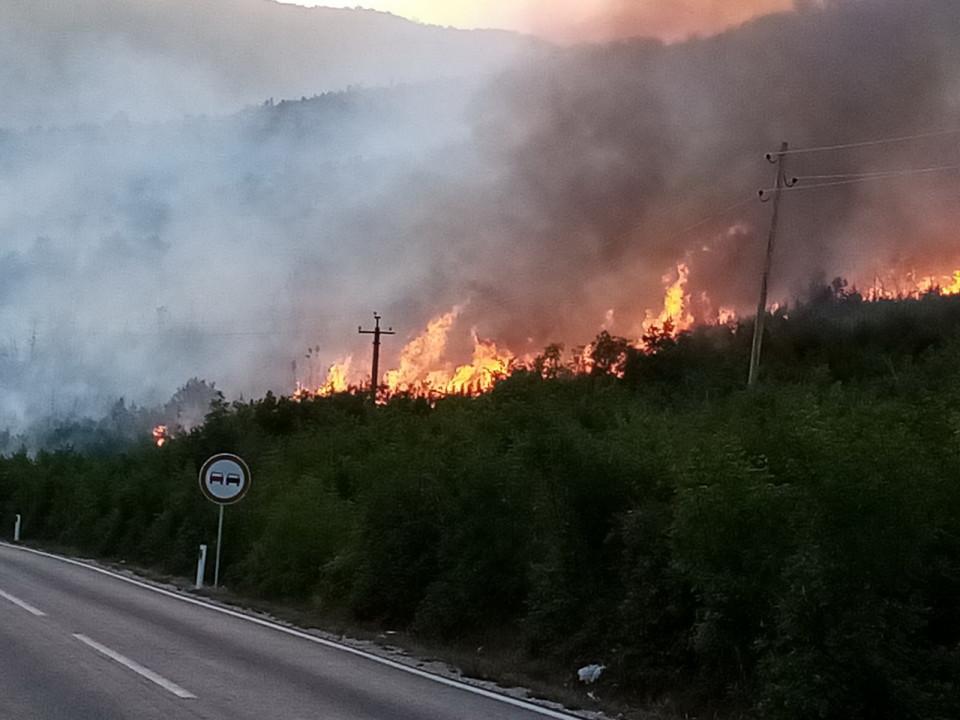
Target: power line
(714, 216)
(864, 175)
(878, 173)
(182, 333)
(871, 143)
(863, 178)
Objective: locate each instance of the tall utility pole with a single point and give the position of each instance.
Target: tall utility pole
(376, 332)
(780, 160)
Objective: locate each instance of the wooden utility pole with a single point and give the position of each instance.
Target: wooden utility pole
(376, 332)
(780, 160)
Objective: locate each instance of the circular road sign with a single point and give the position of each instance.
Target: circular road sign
(224, 479)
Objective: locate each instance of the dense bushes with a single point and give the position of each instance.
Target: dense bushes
(795, 550)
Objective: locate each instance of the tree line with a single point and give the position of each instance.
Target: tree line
(792, 552)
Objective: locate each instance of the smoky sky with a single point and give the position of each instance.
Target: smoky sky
(135, 254)
(88, 60)
(594, 161)
(604, 20)
(574, 21)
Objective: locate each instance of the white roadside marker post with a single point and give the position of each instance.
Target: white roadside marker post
(201, 567)
(16, 529)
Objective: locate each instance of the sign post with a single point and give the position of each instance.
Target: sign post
(224, 480)
(216, 565)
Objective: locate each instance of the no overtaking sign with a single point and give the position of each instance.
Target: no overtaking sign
(224, 479)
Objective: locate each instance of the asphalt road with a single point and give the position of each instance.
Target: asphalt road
(78, 644)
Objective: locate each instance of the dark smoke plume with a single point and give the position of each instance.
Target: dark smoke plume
(602, 156)
(137, 254)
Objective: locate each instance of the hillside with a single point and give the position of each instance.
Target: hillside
(785, 554)
(119, 232)
(87, 60)
(568, 193)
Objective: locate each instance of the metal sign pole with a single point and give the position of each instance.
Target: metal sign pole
(216, 567)
(224, 480)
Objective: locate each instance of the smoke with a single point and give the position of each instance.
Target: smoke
(670, 21)
(137, 256)
(134, 254)
(604, 156)
(88, 60)
(578, 21)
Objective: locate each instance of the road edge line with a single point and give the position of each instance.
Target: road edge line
(332, 644)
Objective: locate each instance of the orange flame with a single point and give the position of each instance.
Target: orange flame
(727, 316)
(489, 365)
(420, 356)
(337, 381)
(337, 377)
(423, 371)
(675, 317)
(160, 435)
(945, 285)
(910, 285)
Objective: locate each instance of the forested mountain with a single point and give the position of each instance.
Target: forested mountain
(786, 553)
(87, 60)
(138, 255)
(223, 190)
(546, 201)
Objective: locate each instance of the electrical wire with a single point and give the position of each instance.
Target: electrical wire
(700, 223)
(867, 175)
(864, 178)
(718, 214)
(867, 143)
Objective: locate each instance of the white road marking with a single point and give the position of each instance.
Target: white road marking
(20, 603)
(459, 685)
(139, 669)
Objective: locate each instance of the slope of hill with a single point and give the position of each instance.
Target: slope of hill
(791, 552)
(547, 204)
(106, 287)
(87, 60)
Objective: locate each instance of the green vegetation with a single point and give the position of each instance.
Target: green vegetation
(793, 552)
